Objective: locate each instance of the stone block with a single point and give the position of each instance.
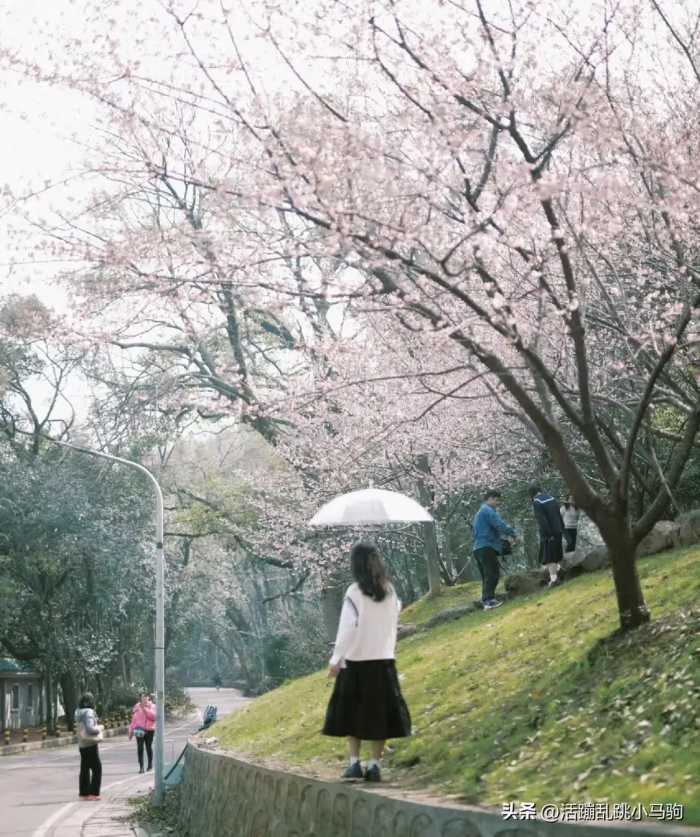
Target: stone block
(588, 534)
(405, 630)
(663, 536)
(448, 615)
(572, 560)
(596, 559)
(519, 584)
(460, 827)
(340, 821)
(688, 528)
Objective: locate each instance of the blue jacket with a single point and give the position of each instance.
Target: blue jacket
(489, 528)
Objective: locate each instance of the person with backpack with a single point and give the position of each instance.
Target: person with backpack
(489, 530)
(366, 704)
(551, 526)
(89, 734)
(142, 726)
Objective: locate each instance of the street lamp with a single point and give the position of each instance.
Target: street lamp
(160, 618)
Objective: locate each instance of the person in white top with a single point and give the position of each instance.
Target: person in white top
(570, 515)
(366, 704)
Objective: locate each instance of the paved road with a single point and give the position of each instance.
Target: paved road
(39, 789)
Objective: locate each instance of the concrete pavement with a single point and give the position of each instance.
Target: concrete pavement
(39, 790)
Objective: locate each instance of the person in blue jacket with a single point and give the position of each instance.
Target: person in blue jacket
(489, 531)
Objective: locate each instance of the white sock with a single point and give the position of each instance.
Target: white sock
(354, 760)
(372, 763)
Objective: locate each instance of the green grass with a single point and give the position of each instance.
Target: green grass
(538, 700)
(457, 596)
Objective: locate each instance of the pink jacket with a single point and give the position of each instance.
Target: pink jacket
(143, 716)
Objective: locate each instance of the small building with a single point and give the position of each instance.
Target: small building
(21, 695)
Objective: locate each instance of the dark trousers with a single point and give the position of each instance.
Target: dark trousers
(570, 535)
(146, 739)
(90, 771)
(487, 561)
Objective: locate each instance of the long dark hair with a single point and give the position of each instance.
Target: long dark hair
(87, 701)
(369, 571)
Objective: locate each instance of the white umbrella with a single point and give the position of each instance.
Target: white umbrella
(370, 506)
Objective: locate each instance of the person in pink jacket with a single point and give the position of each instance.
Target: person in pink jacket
(143, 727)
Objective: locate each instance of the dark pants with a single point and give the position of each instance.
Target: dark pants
(570, 535)
(487, 561)
(146, 739)
(89, 785)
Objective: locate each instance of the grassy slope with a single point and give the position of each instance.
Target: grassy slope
(530, 701)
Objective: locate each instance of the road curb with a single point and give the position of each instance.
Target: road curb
(50, 743)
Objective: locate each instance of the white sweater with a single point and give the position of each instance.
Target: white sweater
(367, 629)
(570, 517)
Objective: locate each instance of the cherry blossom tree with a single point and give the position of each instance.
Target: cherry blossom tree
(455, 190)
(536, 213)
(195, 351)
(36, 363)
(528, 214)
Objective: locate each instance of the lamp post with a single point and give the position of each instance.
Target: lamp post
(160, 612)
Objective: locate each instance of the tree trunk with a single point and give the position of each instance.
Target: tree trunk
(331, 604)
(70, 698)
(250, 678)
(432, 559)
(104, 691)
(51, 703)
(49, 707)
(124, 666)
(471, 573)
(430, 544)
(235, 664)
(148, 669)
(631, 606)
(530, 542)
(410, 595)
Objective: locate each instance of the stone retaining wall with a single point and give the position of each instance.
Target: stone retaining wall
(223, 796)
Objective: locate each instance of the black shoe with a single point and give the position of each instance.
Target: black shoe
(141, 770)
(150, 767)
(353, 772)
(373, 774)
(489, 604)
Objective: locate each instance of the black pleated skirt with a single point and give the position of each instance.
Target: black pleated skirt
(367, 702)
(551, 550)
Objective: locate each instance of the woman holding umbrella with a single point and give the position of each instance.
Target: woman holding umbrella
(366, 704)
